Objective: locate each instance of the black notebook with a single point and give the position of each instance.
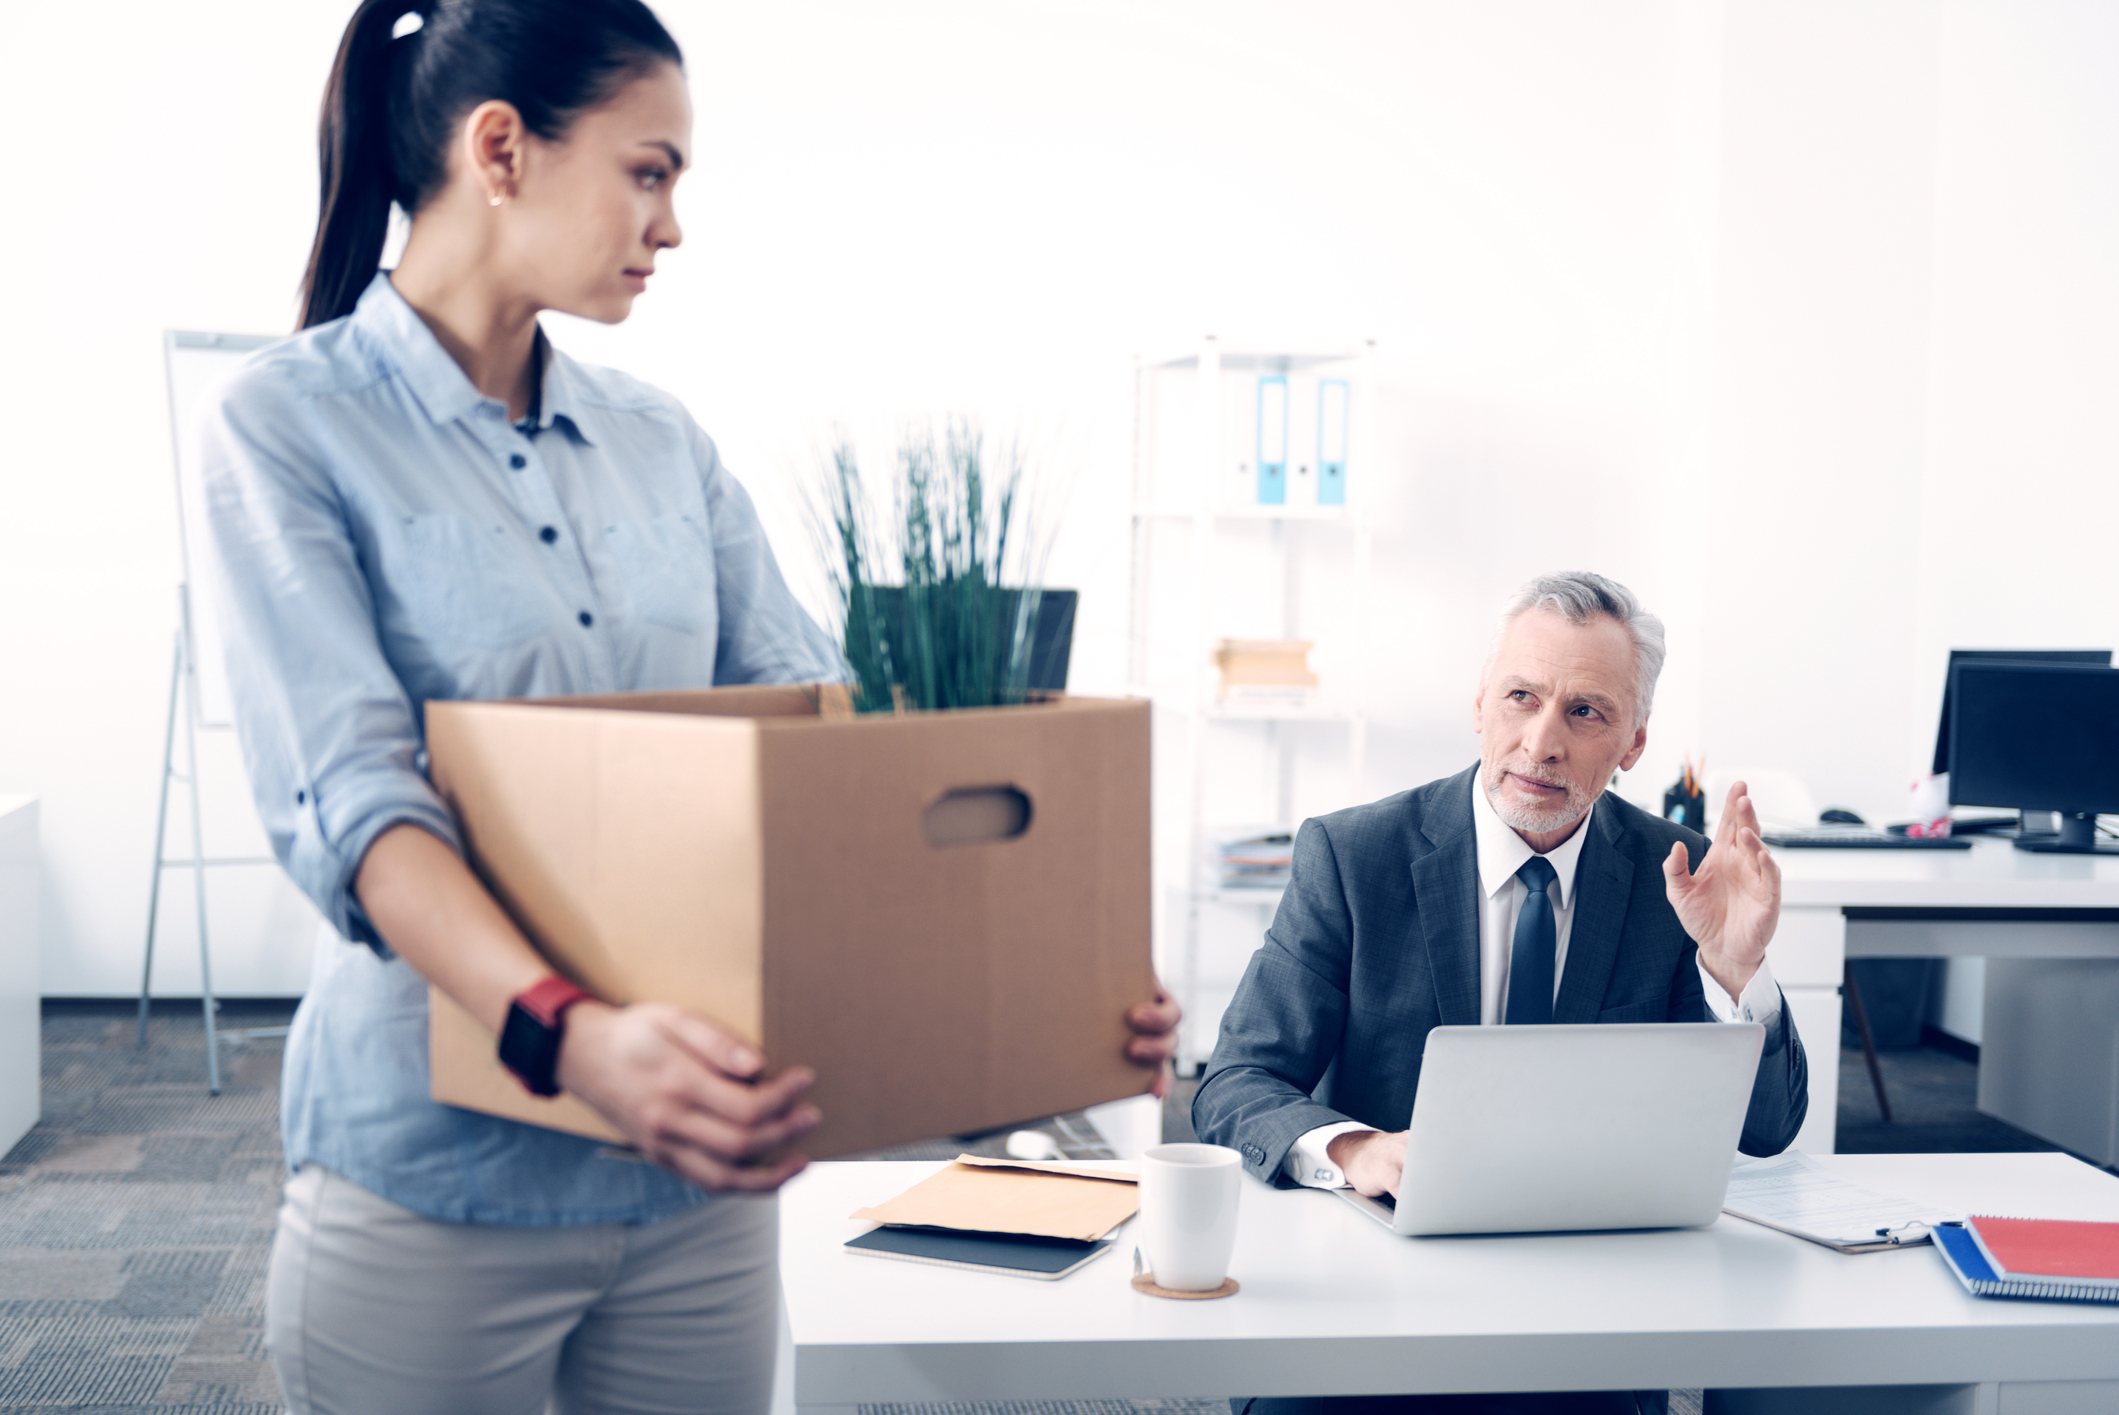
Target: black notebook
(1015, 1256)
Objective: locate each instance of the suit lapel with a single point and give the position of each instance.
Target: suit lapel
(1446, 899)
(1603, 884)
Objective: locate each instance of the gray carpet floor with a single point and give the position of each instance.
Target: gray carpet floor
(1932, 1107)
(136, 1218)
(135, 1221)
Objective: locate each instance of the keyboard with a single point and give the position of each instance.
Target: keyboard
(1858, 837)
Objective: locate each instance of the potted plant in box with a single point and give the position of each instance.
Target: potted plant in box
(942, 610)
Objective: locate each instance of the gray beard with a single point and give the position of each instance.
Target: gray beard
(1537, 820)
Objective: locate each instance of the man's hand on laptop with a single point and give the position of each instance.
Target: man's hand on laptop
(1372, 1161)
(1731, 903)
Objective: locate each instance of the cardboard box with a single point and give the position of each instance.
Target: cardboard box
(945, 914)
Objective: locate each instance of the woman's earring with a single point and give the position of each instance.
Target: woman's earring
(495, 199)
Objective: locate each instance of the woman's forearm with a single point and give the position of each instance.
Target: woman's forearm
(680, 1088)
(436, 915)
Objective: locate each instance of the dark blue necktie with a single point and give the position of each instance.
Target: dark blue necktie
(1530, 960)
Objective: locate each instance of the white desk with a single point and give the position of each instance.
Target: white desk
(21, 1004)
(1332, 1303)
(1990, 901)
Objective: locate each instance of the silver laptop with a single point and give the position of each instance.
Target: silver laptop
(1551, 1129)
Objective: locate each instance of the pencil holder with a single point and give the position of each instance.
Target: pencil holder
(1687, 808)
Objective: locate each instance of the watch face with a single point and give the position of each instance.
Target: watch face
(530, 1049)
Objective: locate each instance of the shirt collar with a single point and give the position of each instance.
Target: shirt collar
(560, 402)
(443, 389)
(1501, 851)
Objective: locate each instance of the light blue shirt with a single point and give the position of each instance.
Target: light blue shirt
(384, 536)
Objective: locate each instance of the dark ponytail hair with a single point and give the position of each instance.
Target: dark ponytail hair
(392, 104)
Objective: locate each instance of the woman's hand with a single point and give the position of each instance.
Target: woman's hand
(687, 1094)
(683, 1090)
(1154, 1039)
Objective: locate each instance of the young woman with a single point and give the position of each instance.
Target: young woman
(415, 498)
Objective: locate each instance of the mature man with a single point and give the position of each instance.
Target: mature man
(1517, 891)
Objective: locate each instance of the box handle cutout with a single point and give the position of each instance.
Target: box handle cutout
(975, 815)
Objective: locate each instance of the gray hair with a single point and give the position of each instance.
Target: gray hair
(1578, 596)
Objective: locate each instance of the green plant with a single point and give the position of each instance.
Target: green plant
(946, 628)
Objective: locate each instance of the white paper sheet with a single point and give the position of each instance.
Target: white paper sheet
(1795, 1193)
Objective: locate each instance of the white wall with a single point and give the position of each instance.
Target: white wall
(1957, 999)
(1807, 502)
(1767, 309)
(1915, 443)
(2021, 491)
(163, 177)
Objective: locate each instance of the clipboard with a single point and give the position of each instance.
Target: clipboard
(1795, 1195)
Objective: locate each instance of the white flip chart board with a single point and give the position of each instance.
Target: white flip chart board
(198, 365)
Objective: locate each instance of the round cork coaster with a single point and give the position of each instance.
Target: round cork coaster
(1145, 1282)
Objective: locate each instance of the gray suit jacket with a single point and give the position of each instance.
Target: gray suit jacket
(1377, 940)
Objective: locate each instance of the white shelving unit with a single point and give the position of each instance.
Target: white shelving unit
(1210, 562)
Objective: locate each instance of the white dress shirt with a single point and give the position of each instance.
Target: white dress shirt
(1501, 852)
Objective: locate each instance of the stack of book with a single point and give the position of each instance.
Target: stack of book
(1266, 672)
(1257, 861)
(2056, 1259)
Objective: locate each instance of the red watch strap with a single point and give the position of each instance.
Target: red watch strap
(548, 999)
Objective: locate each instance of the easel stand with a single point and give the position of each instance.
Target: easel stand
(183, 689)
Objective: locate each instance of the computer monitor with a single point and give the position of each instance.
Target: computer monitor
(2037, 736)
(2099, 657)
(1052, 641)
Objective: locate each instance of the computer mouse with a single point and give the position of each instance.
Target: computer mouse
(1032, 1145)
(1834, 815)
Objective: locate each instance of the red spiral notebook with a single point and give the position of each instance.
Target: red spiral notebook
(2049, 1250)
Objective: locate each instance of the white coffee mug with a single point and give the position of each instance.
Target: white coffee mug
(1188, 1214)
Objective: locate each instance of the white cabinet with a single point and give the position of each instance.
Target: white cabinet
(1809, 955)
(2049, 1063)
(21, 1003)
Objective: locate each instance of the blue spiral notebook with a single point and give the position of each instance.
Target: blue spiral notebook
(1961, 1251)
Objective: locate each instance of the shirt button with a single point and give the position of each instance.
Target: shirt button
(517, 461)
(548, 535)
(586, 618)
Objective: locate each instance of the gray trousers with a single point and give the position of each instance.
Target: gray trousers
(372, 1308)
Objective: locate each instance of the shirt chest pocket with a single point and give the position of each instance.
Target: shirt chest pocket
(460, 583)
(666, 567)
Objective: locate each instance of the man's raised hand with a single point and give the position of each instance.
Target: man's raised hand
(1731, 904)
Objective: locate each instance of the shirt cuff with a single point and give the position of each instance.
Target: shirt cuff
(1308, 1161)
(1761, 1001)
